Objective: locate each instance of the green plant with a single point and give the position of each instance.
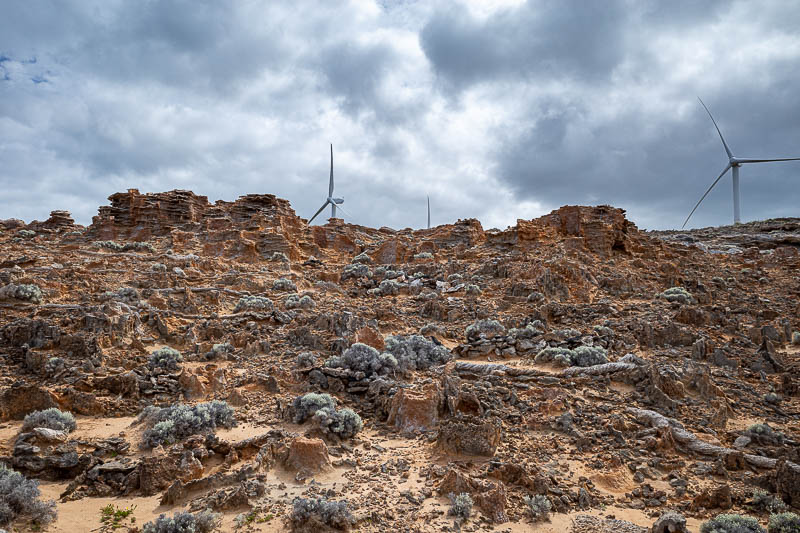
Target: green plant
(460, 505)
(539, 506)
(784, 523)
(170, 424)
(315, 514)
(305, 406)
(184, 522)
(20, 497)
(731, 523)
(52, 418)
(166, 358)
(677, 294)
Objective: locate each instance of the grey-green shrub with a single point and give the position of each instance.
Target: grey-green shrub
(389, 287)
(423, 255)
(52, 418)
(344, 423)
(23, 292)
(580, 356)
(677, 294)
(764, 434)
(363, 358)
(283, 284)
(473, 290)
(279, 257)
(219, 350)
(116, 247)
(293, 301)
(460, 505)
(166, 358)
(184, 522)
(796, 337)
(307, 360)
(415, 352)
(784, 523)
(20, 498)
(539, 506)
(305, 406)
(559, 356)
(253, 303)
(313, 514)
(484, 329)
(767, 502)
(171, 424)
(26, 234)
(731, 523)
(356, 270)
(362, 258)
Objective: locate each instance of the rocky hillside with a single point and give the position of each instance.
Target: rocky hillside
(571, 373)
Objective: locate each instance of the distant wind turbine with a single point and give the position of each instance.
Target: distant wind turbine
(733, 163)
(429, 212)
(330, 200)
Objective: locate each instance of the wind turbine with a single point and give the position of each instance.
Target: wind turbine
(330, 200)
(429, 212)
(733, 163)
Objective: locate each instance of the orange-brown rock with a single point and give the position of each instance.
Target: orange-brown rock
(307, 456)
(415, 410)
(470, 435)
(371, 337)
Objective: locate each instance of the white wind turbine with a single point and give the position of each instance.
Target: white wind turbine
(330, 200)
(429, 212)
(733, 163)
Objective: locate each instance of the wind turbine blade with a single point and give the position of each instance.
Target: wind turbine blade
(767, 160)
(318, 211)
(339, 207)
(727, 168)
(330, 185)
(728, 150)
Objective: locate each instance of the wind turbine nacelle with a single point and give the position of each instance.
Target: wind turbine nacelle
(336, 200)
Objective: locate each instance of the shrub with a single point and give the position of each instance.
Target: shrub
(764, 434)
(184, 522)
(539, 506)
(125, 294)
(170, 424)
(356, 270)
(389, 287)
(307, 360)
(158, 267)
(423, 255)
(219, 350)
(559, 356)
(362, 258)
(128, 246)
(253, 303)
(313, 514)
(589, 356)
(24, 292)
(460, 505)
(279, 257)
(344, 423)
(50, 418)
(19, 497)
(796, 337)
(166, 358)
(784, 523)
(485, 329)
(473, 290)
(293, 301)
(283, 284)
(580, 356)
(731, 523)
(362, 358)
(677, 294)
(305, 406)
(54, 365)
(26, 233)
(767, 502)
(415, 352)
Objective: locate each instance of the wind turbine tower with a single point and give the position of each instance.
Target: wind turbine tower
(733, 164)
(330, 199)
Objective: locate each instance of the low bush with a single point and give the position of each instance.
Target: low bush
(253, 303)
(184, 522)
(764, 434)
(20, 498)
(166, 358)
(280, 257)
(356, 270)
(415, 352)
(539, 506)
(293, 301)
(344, 423)
(389, 287)
(765, 501)
(423, 255)
(23, 292)
(677, 294)
(218, 351)
(362, 258)
(484, 329)
(580, 356)
(363, 358)
(784, 523)
(170, 424)
(305, 406)
(731, 523)
(460, 505)
(316, 514)
(128, 246)
(52, 418)
(307, 360)
(283, 284)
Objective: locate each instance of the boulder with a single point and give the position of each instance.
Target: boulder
(670, 522)
(415, 410)
(307, 456)
(22, 398)
(469, 435)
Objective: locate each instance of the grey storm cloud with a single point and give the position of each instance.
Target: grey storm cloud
(497, 110)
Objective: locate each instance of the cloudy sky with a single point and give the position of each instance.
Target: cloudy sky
(497, 109)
